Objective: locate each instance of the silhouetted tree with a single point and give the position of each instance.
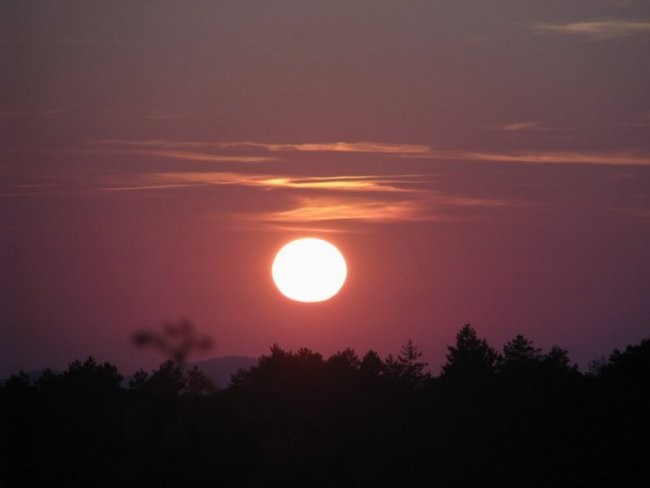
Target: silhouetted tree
(631, 366)
(556, 361)
(90, 377)
(281, 370)
(48, 381)
(371, 364)
(471, 359)
(344, 360)
(17, 384)
(138, 380)
(596, 365)
(196, 383)
(520, 351)
(167, 380)
(520, 359)
(306, 355)
(176, 341)
(277, 357)
(406, 366)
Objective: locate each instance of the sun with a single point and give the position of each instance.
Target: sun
(309, 270)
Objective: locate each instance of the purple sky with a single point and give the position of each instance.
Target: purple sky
(481, 162)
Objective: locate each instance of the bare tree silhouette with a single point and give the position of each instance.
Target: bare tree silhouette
(175, 340)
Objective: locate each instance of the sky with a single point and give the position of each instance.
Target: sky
(476, 162)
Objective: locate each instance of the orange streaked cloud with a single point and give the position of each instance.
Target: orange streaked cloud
(197, 156)
(627, 158)
(178, 150)
(365, 183)
(597, 29)
(147, 187)
(567, 157)
(432, 207)
(523, 127)
(352, 147)
(366, 198)
(353, 183)
(341, 147)
(309, 209)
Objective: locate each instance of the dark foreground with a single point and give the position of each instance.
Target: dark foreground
(518, 418)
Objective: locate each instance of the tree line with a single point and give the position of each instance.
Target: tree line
(515, 417)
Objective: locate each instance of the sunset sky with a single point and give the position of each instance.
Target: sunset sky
(483, 162)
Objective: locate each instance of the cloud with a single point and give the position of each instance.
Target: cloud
(431, 207)
(305, 207)
(311, 209)
(146, 187)
(597, 29)
(373, 183)
(356, 183)
(366, 198)
(607, 159)
(544, 157)
(197, 156)
(523, 127)
(341, 147)
(179, 150)
(352, 147)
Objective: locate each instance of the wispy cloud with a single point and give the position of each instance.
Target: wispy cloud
(309, 209)
(524, 127)
(340, 147)
(319, 199)
(375, 183)
(544, 157)
(159, 143)
(367, 198)
(607, 159)
(352, 147)
(356, 183)
(597, 29)
(192, 151)
(196, 156)
(431, 207)
(146, 187)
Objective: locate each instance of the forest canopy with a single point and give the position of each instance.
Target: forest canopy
(516, 416)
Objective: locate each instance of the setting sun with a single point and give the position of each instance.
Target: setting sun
(309, 270)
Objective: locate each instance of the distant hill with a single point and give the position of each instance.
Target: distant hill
(220, 369)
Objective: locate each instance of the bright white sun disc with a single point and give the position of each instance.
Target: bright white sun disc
(309, 270)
